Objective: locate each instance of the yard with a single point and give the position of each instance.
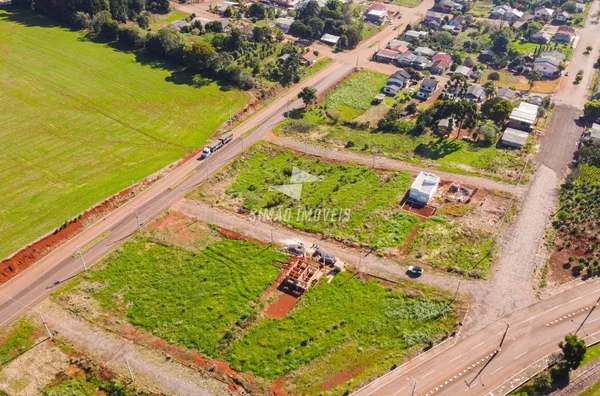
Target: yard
(407, 3)
(481, 9)
(354, 95)
(519, 82)
(444, 243)
(17, 338)
(354, 203)
(81, 120)
(158, 21)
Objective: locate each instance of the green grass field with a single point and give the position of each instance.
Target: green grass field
(189, 298)
(81, 120)
(443, 243)
(371, 197)
(481, 9)
(354, 96)
(407, 3)
(589, 173)
(16, 339)
(341, 326)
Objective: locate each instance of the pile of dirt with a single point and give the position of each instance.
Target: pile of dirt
(282, 306)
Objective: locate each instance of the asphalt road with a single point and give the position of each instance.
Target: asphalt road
(478, 365)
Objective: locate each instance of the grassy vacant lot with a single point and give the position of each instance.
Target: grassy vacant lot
(341, 326)
(354, 96)
(16, 339)
(189, 298)
(508, 79)
(203, 296)
(81, 120)
(451, 155)
(372, 197)
(444, 243)
(481, 9)
(407, 3)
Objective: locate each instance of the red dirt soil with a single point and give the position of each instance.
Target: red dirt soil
(341, 377)
(282, 306)
(277, 387)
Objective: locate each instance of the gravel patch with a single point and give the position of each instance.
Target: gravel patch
(510, 287)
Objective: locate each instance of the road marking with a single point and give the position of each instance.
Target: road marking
(542, 343)
(568, 331)
(520, 355)
(592, 321)
(183, 180)
(431, 372)
(455, 358)
(478, 345)
(93, 243)
(498, 369)
(399, 390)
(558, 306)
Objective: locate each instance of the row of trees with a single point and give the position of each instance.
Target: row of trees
(73, 11)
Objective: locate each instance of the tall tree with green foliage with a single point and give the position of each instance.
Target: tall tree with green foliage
(308, 96)
(573, 350)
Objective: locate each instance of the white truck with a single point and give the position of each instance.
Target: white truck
(221, 141)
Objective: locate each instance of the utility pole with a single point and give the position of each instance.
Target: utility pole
(414, 387)
(137, 218)
(133, 188)
(503, 336)
(271, 235)
(129, 369)
(46, 326)
(357, 63)
(81, 257)
(455, 293)
(587, 316)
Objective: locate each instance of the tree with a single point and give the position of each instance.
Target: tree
(143, 20)
(497, 109)
(494, 76)
(500, 41)
(257, 10)
(490, 89)
(533, 76)
(308, 96)
(592, 110)
(261, 34)
(316, 26)
(131, 36)
(570, 7)
(573, 350)
(443, 38)
(411, 108)
(166, 44)
(159, 6)
(81, 20)
(199, 55)
(214, 26)
(309, 10)
(300, 29)
(354, 34)
(489, 132)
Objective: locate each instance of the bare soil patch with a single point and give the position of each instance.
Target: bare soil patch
(282, 306)
(340, 378)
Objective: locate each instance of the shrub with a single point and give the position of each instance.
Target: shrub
(301, 125)
(131, 36)
(81, 20)
(494, 76)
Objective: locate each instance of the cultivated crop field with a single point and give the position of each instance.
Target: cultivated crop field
(206, 297)
(372, 197)
(577, 226)
(354, 96)
(81, 120)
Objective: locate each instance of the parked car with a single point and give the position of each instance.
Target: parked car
(415, 270)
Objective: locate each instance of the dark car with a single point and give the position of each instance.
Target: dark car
(415, 270)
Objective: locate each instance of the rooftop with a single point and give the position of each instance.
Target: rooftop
(515, 136)
(526, 112)
(425, 182)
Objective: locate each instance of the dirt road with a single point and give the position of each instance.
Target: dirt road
(365, 262)
(381, 162)
(149, 367)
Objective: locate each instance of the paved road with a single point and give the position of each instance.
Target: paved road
(478, 366)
